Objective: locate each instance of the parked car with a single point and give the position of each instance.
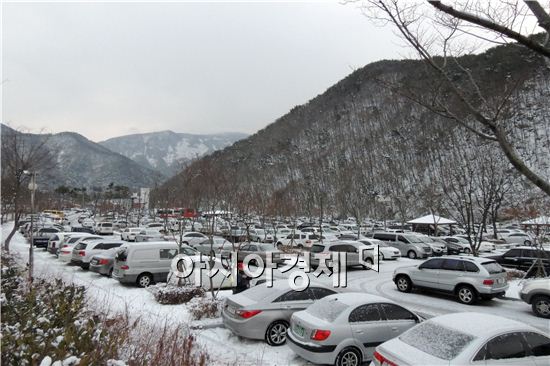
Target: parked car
(469, 278)
(65, 252)
(343, 329)
(263, 312)
(58, 239)
(104, 228)
(129, 234)
(357, 253)
(455, 243)
(144, 263)
(439, 247)
(260, 235)
(537, 294)
(86, 249)
(218, 246)
(466, 339)
(385, 251)
(519, 239)
(260, 249)
(103, 263)
(522, 258)
(484, 246)
(149, 235)
(409, 245)
(193, 238)
(43, 235)
(88, 223)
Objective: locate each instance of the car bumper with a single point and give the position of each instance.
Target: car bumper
(493, 290)
(524, 297)
(124, 278)
(101, 269)
(40, 242)
(65, 257)
(317, 354)
(247, 328)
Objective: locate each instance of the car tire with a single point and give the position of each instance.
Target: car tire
(145, 280)
(527, 242)
(300, 246)
(350, 356)
(411, 254)
(466, 294)
(279, 246)
(382, 257)
(275, 335)
(110, 272)
(467, 250)
(403, 283)
(369, 264)
(541, 306)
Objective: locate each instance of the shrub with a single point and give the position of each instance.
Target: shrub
(205, 308)
(512, 274)
(173, 295)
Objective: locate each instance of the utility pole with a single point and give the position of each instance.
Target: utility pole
(32, 188)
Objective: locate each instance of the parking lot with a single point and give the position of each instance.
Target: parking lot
(110, 296)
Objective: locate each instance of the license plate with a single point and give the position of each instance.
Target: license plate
(500, 280)
(231, 310)
(116, 271)
(299, 330)
(95, 261)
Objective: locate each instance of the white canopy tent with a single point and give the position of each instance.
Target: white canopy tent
(431, 220)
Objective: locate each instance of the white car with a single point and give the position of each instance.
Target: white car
(386, 251)
(129, 234)
(149, 235)
(85, 250)
(104, 228)
(65, 252)
(519, 239)
(89, 223)
(466, 339)
(193, 238)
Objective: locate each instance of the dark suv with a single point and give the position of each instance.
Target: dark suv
(43, 235)
(522, 258)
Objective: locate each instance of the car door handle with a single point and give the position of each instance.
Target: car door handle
(394, 328)
(359, 331)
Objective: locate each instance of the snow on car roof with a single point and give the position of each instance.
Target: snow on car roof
(478, 324)
(356, 298)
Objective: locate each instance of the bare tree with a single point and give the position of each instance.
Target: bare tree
(437, 38)
(20, 152)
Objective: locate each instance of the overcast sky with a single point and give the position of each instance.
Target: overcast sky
(105, 70)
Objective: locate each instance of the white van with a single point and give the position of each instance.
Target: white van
(146, 262)
(104, 228)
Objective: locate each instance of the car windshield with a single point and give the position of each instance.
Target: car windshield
(436, 340)
(327, 309)
(493, 267)
(259, 292)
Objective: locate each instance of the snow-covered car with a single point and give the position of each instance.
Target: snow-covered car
(466, 339)
(129, 234)
(192, 238)
(149, 235)
(218, 246)
(343, 329)
(221, 272)
(260, 235)
(518, 239)
(386, 251)
(87, 222)
(104, 228)
(85, 250)
(65, 252)
(537, 294)
(459, 243)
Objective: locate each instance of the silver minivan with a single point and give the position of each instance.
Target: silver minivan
(409, 244)
(144, 263)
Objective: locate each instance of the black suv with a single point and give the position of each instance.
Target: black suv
(522, 258)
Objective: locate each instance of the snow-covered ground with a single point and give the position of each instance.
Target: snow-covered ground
(225, 348)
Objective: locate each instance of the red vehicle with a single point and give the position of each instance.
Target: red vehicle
(177, 213)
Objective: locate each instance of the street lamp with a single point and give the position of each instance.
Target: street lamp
(32, 187)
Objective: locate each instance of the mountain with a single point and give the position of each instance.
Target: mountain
(79, 162)
(367, 137)
(168, 151)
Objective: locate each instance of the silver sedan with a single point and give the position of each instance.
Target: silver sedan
(344, 329)
(264, 312)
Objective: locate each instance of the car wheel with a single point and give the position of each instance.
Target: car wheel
(541, 306)
(411, 254)
(527, 242)
(348, 357)
(144, 280)
(275, 334)
(466, 295)
(467, 250)
(403, 284)
(382, 257)
(369, 264)
(279, 246)
(185, 243)
(111, 272)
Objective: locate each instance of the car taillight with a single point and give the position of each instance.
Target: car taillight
(246, 314)
(65, 251)
(488, 282)
(383, 360)
(103, 261)
(82, 253)
(320, 335)
(124, 267)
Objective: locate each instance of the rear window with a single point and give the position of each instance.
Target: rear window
(493, 267)
(80, 246)
(317, 248)
(436, 340)
(122, 255)
(327, 309)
